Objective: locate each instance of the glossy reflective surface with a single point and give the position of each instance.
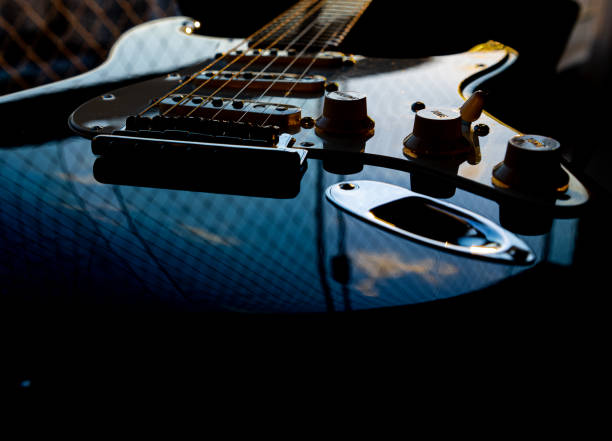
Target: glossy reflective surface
(78, 231)
(429, 221)
(68, 238)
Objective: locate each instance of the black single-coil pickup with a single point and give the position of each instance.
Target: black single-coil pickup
(202, 129)
(258, 113)
(271, 82)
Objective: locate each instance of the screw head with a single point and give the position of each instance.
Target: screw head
(481, 129)
(347, 186)
(307, 122)
(417, 105)
(332, 87)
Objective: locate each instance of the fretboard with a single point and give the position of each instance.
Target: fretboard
(313, 24)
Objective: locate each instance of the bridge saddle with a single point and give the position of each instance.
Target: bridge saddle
(195, 128)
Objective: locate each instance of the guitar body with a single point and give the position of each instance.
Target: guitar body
(84, 232)
(107, 231)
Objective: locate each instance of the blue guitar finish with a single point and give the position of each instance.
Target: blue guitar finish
(77, 231)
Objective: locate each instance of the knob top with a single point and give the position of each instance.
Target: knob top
(533, 142)
(345, 113)
(441, 123)
(346, 96)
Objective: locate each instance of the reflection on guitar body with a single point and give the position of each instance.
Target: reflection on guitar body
(200, 183)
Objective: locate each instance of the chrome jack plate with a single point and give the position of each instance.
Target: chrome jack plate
(429, 221)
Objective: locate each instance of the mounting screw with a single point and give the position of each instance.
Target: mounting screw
(417, 105)
(347, 186)
(349, 61)
(332, 87)
(307, 122)
(481, 129)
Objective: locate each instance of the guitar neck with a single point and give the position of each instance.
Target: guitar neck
(326, 25)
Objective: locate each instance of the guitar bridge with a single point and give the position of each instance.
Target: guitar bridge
(171, 161)
(194, 128)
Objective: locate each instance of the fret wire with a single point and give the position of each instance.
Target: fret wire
(333, 12)
(300, 5)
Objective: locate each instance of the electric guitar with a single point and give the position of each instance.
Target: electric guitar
(273, 174)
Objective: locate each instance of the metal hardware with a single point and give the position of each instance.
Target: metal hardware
(429, 221)
(417, 105)
(190, 128)
(284, 160)
(481, 129)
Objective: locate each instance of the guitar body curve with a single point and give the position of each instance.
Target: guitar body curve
(186, 236)
(134, 55)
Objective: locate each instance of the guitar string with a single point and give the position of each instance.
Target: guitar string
(344, 28)
(289, 65)
(298, 8)
(303, 8)
(190, 94)
(244, 41)
(343, 34)
(219, 72)
(208, 97)
(333, 8)
(265, 68)
(350, 7)
(312, 61)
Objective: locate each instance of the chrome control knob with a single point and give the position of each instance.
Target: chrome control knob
(345, 114)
